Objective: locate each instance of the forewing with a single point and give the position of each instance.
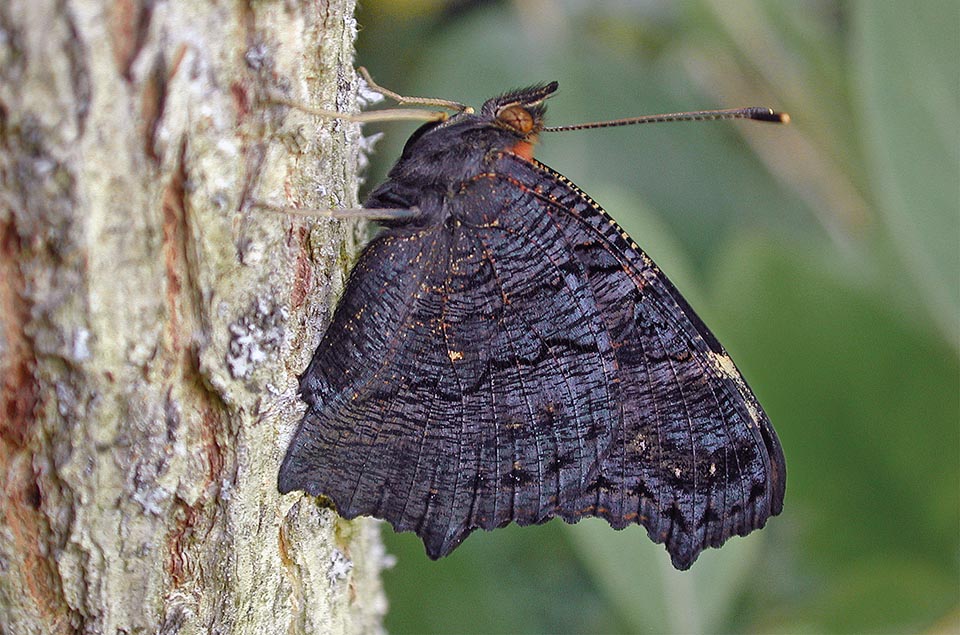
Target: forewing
(681, 446)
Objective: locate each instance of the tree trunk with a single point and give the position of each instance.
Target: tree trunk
(153, 322)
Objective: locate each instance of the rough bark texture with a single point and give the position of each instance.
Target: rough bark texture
(152, 323)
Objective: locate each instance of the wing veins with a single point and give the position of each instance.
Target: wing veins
(597, 314)
(453, 367)
(560, 369)
(486, 255)
(423, 438)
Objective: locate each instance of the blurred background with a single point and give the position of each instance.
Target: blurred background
(825, 255)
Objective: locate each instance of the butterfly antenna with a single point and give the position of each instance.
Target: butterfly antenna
(757, 113)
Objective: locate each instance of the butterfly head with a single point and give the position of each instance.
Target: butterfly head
(521, 113)
(510, 121)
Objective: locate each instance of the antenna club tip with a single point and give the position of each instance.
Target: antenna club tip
(769, 114)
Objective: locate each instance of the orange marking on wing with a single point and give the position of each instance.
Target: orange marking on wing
(523, 149)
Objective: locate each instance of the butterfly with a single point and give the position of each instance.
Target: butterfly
(504, 352)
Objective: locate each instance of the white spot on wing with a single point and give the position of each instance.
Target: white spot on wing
(724, 365)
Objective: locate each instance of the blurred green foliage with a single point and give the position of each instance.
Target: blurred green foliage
(825, 255)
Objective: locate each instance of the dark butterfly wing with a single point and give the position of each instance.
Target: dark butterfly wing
(529, 361)
(690, 455)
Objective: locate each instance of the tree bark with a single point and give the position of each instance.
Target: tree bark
(153, 322)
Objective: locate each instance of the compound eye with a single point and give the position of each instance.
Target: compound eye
(516, 118)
